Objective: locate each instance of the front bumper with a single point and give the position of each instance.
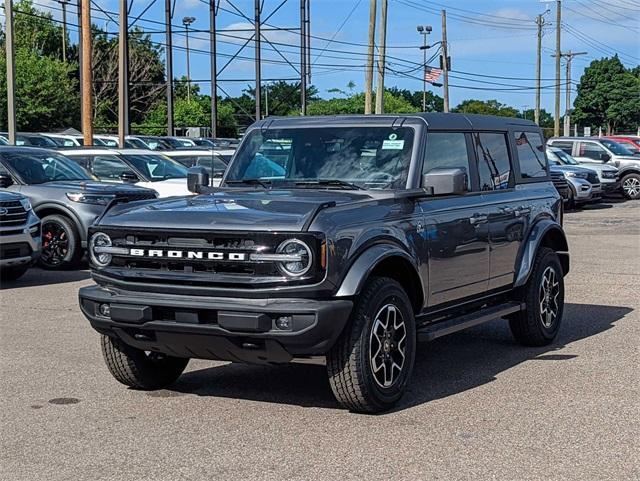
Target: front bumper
(20, 245)
(610, 187)
(229, 329)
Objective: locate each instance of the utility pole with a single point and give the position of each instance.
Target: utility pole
(540, 24)
(307, 31)
(368, 73)
(11, 71)
(445, 62)
(303, 58)
(186, 21)
(87, 75)
(123, 74)
(382, 59)
(63, 4)
(258, 93)
(213, 11)
(567, 117)
(79, 10)
(556, 122)
(168, 18)
(424, 30)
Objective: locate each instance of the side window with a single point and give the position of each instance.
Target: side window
(109, 167)
(494, 168)
(447, 150)
(82, 160)
(566, 146)
(531, 154)
(591, 150)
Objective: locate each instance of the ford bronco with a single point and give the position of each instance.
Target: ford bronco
(340, 239)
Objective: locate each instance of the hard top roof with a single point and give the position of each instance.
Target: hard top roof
(434, 121)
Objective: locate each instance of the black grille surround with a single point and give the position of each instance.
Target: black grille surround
(560, 183)
(12, 214)
(182, 271)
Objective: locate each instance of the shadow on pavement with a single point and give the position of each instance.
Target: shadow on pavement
(41, 277)
(445, 367)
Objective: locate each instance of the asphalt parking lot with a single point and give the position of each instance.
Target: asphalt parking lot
(479, 407)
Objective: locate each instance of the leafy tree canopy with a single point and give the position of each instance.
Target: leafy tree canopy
(486, 107)
(608, 96)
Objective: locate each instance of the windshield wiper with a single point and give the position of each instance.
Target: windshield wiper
(330, 183)
(262, 183)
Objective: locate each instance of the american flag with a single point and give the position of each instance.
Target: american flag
(432, 74)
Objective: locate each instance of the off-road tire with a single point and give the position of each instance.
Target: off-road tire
(631, 180)
(74, 250)
(12, 273)
(139, 370)
(528, 327)
(349, 363)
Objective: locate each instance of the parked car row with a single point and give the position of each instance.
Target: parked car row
(69, 186)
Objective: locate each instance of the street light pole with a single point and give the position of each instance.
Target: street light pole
(424, 31)
(63, 4)
(186, 21)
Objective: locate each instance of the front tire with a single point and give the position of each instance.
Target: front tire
(539, 323)
(61, 247)
(371, 363)
(631, 186)
(140, 369)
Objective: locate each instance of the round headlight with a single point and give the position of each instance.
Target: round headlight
(302, 254)
(98, 240)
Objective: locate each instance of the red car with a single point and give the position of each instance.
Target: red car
(630, 142)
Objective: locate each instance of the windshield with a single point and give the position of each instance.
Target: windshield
(615, 147)
(368, 157)
(133, 143)
(156, 167)
(40, 167)
(561, 157)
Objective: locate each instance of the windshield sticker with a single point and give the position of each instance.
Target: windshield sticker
(393, 144)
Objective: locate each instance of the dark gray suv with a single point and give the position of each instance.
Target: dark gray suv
(65, 196)
(339, 239)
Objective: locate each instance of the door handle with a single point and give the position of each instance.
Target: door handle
(478, 219)
(523, 209)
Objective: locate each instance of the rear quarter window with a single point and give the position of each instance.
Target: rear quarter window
(530, 148)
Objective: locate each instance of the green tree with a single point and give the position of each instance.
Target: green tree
(354, 104)
(486, 107)
(546, 119)
(608, 96)
(36, 31)
(44, 86)
(434, 102)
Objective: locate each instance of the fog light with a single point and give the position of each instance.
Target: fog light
(284, 323)
(105, 310)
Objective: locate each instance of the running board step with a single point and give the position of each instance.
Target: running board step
(444, 328)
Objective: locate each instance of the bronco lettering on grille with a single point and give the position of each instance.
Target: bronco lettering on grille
(177, 254)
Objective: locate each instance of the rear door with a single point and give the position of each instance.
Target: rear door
(456, 226)
(506, 212)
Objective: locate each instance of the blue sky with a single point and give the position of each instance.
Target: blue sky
(492, 42)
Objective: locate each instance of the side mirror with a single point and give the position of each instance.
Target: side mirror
(129, 177)
(445, 181)
(5, 181)
(604, 157)
(197, 178)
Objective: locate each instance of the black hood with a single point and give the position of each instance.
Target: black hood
(238, 210)
(93, 187)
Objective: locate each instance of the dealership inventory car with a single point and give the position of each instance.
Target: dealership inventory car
(584, 183)
(34, 140)
(607, 174)
(214, 160)
(19, 233)
(130, 142)
(66, 197)
(145, 168)
(629, 142)
(598, 151)
(344, 238)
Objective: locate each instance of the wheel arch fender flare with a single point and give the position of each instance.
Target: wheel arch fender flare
(366, 263)
(544, 233)
(54, 208)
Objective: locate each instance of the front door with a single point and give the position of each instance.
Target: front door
(457, 227)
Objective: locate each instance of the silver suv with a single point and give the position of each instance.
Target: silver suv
(20, 237)
(598, 151)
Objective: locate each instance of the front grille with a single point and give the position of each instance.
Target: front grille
(133, 196)
(560, 183)
(204, 272)
(592, 178)
(14, 251)
(12, 214)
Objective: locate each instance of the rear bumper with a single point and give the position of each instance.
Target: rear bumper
(230, 329)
